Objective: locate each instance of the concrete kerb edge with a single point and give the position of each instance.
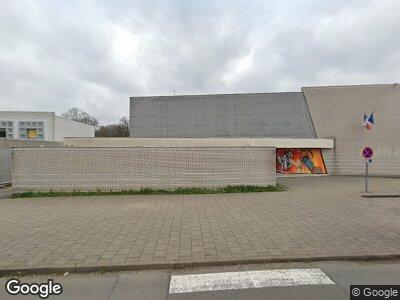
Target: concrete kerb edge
(380, 195)
(182, 265)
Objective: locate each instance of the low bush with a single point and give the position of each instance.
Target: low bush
(149, 191)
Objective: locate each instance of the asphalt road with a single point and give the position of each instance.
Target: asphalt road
(272, 281)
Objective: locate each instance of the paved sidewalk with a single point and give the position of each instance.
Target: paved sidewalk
(5, 192)
(317, 217)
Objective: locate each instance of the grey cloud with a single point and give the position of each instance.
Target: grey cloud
(95, 54)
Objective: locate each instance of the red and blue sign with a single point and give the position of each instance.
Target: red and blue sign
(367, 153)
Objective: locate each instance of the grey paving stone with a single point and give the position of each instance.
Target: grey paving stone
(320, 216)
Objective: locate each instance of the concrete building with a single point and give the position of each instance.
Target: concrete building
(337, 112)
(315, 113)
(218, 140)
(228, 116)
(42, 126)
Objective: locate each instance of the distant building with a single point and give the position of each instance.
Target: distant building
(41, 126)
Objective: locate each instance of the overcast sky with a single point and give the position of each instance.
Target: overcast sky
(96, 54)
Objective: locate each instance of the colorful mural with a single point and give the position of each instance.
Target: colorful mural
(299, 161)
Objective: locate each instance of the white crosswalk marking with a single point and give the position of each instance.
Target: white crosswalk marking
(245, 280)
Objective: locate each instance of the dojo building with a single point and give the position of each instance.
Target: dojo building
(316, 131)
(226, 140)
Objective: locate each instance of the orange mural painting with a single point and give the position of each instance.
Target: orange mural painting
(299, 161)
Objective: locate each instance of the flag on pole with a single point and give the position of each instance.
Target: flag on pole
(368, 121)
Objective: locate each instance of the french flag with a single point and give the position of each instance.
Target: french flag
(368, 121)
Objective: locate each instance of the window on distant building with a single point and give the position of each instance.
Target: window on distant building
(31, 133)
(7, 129)
(31, 130)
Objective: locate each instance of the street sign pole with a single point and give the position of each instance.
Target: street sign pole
(366, 176)
(367, 154)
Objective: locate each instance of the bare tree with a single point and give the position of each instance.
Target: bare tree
(121, 129)
(78, 115)
(124, 123)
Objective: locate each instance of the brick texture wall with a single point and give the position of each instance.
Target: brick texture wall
(90, 169)
(5, 154)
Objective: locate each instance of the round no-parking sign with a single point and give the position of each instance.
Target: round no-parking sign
(367, 152)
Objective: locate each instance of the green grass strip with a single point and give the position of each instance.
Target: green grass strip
(148, 191)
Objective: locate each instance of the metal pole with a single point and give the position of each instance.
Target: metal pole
(366, 176)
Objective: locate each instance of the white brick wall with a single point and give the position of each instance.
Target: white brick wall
(90, 169)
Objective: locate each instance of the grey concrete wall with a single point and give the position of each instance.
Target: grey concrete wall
(6, 146)
(235, 115)
(90, 169)
(5, 166)
(338, 112)
(68, 128)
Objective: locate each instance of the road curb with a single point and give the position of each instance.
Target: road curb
(181, 265)
(380, 195)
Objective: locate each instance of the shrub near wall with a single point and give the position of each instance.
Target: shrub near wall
(116, 169)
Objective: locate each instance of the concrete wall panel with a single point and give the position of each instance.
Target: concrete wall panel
(64, 128)
(8, 144)
(337, 112)
(5, 165)
(206, 142)
(236, 115)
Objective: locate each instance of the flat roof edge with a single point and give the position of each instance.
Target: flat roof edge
(351, 86)
(223, 94)
(75, 122)
(200, 142)
(271, 93)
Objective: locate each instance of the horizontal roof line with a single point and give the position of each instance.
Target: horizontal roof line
(350, 85)
(270, 93)
(232, 94)
(27, 111)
